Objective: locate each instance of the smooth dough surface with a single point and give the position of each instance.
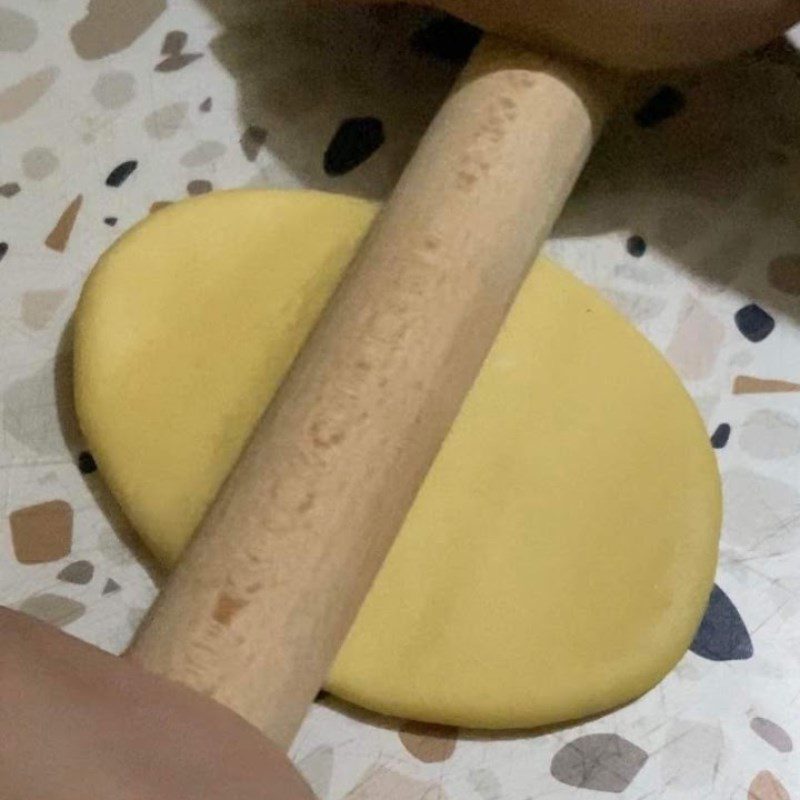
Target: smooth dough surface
(560, 554)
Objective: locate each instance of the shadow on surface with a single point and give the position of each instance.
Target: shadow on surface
(303, 68)
(728, 162)
(63, 377)
(712, 188)
(376, 720)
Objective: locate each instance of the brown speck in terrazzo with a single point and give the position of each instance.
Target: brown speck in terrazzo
(174, 42)
(111, 587)
(58, 238)
(172, 48)
(428, 743)
(53, 609)
(765, 786)
(174, 63)
(252, 141)
(697, 324)
(42, 533)
(784, 273)
(22, 96)
(206, 105)
(9, 190)
(110, 26)
(748, 384)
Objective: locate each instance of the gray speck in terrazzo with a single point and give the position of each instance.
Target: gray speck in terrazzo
(772, 733)
(165, 122)
(634, 306)
(604, 762)
(114, 89)
(199, 186)
(768, 434)
(38, 163)
(78, 572)
(18, 32)
(203, 153)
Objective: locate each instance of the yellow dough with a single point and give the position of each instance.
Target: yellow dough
(560, 554)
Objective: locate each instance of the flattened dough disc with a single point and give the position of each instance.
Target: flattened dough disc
(560, 554)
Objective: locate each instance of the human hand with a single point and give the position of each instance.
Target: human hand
(633, 34)
(76, 722)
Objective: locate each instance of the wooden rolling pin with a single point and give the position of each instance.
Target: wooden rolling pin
(262, 600)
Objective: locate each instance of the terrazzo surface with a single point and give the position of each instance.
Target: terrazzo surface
(687, 219)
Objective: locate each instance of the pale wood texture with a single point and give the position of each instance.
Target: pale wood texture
(261, 602)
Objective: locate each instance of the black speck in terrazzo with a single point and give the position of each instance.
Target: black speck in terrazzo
(447, 38)
(121, 173)
(206, 105)
(720, 436)
(9, 190)
(754, 323)
(111, 587)
(722, 635)
(3, 249)
(355, 141)
(110, 221)
(86, 463)
(252, 140)
(636, 246)
(665, 103)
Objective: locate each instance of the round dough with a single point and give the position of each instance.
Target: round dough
(560, 554)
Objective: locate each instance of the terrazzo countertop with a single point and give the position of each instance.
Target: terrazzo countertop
(688, 219)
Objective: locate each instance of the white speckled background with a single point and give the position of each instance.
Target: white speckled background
(713, 192)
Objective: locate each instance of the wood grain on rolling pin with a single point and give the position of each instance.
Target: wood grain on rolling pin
(258, 608)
